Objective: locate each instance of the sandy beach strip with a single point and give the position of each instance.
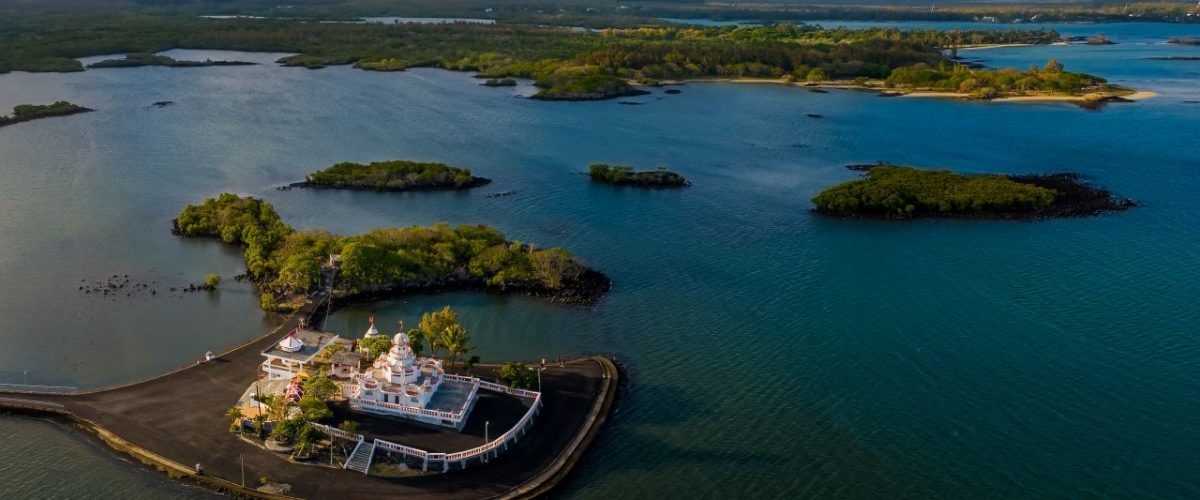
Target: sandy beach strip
(987, 46)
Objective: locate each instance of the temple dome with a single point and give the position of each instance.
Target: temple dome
(371, 330)
(400, 339)
(291, 344)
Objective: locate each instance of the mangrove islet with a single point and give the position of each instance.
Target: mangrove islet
(899, 192)
(625, 176)
(286, 264)
(394, 175)
(28, 112)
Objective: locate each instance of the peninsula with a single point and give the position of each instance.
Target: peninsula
(897, 192)
(569, 64)
(285, 263)
(625, 176)
(395, 175)
(138, 60)
(28, 112)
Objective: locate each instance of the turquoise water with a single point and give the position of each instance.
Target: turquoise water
(772, 352)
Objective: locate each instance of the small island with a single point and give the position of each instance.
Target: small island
(1187, 40)
(286, 264)
(28, 112)
(625, 176)
(138, 60)
(584, 87)
(896, 192)
(395, 175)
(500, 82)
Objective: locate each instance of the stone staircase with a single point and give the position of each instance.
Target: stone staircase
(360, 458)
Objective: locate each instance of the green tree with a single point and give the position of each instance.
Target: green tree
(375, 345)
(314, 409)
(286, 430)
(416, 340)
(333, 349)
(211, 280)
(236, 414)
(455, 339)
(434, 326)
(348, 426)
(516, 374)
(307, 438)
(817, 75)
(321, 387)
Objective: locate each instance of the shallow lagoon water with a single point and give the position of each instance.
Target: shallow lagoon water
(772, 352)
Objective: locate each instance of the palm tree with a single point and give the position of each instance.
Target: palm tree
(236, 414)
(455, 339)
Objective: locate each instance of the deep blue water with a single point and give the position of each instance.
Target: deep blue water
(772, 352)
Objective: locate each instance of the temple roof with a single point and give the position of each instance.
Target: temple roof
(346, 358)
(311, 343)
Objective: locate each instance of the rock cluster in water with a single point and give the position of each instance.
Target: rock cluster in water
(121, 285)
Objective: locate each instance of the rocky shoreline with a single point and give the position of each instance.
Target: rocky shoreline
(584, 291)
(589, 96)
(1075, 197)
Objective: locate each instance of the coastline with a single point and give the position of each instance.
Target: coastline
(987, 46)
(1136, 95)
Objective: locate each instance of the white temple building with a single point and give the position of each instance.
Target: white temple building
(401, 384)
(295, 352)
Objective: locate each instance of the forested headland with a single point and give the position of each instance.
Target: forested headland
(990, 84)
(897, 192)
(625, 176)
(564, 63)
(138, 60)
(27, 112)
(394, 175)
(285, 263)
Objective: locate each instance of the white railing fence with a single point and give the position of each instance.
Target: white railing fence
(518, 430)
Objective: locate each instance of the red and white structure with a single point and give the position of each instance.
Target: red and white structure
(401, 384)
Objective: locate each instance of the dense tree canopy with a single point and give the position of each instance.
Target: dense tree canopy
(987, 84)
(393, 175)
(621, 175)
(286, 263)
(567, 64)
(893, 191)
(26, 112)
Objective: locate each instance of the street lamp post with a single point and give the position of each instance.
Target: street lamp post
(485, 430)
(243, 459)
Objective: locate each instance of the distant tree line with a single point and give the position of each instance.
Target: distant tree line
(565, 63)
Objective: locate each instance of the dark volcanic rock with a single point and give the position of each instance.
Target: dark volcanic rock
(1075, 197)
